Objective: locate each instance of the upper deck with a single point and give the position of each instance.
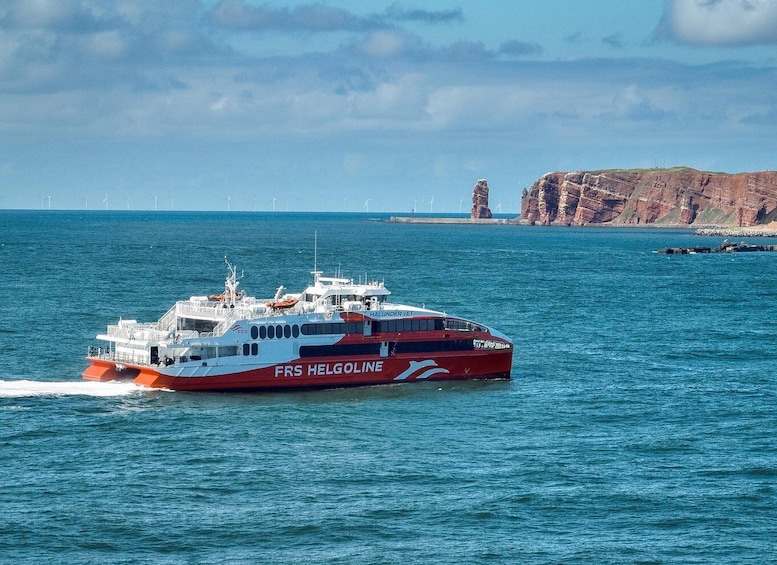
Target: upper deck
(212, 316)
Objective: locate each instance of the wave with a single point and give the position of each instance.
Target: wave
(22, 388)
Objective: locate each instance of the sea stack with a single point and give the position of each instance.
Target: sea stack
(480, 208)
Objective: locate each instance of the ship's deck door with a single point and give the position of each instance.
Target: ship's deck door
(154, 355)
(384, 348)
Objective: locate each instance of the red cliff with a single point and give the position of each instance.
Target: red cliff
(678, 196)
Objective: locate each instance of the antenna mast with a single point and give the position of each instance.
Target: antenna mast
(316, 273)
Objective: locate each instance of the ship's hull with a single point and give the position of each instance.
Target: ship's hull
(321, 372)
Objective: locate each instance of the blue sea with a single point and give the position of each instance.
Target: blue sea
(639, 425)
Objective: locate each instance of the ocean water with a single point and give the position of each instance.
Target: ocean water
(639, 425)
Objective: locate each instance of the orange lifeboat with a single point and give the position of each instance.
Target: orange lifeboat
(283, 304)
(224, 296)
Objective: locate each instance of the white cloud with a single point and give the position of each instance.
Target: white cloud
(484, 107)
(219, 104)
(722, 22)
(631, 103)
(384, 44)
(390, 44)
(403, 100)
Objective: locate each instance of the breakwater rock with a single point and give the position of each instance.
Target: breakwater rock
(725, 247)
(673, 197)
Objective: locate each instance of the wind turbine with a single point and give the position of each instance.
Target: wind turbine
(460, 204)
(367, 205)
(431, 205)
(229, 203)
(499, 208)
(49, 197)
(105, 201)
(273, 203)
(156, 201)
(86, 202)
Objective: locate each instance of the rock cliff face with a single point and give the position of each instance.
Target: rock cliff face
(480, 200)
(678, 196)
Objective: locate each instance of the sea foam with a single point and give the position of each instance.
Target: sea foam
(22, 388)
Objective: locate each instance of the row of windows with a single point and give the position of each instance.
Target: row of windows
(408, 325)
(430, 346)
(378, 326)
(463, 325)
(332, 328)
(430, 324)
(400, 325)
(339, 350)
(277, 332)
(250, 349)
(374, 348)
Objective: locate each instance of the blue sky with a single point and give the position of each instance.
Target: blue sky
(366, 105)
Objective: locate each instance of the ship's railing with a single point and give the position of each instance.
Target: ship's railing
(135, 358)
(204, 310)
(168, 321)
(225, 324)
(147, 332)
(140, 357)
(186, 334)
(217, 312)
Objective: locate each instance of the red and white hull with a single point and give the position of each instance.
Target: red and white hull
(316, 373)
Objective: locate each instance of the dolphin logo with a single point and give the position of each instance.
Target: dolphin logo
(418, 366)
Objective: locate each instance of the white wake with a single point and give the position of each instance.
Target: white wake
(16, 389)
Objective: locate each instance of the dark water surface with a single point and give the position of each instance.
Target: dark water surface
(639, 426)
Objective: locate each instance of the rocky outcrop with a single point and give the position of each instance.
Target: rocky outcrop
(678, 196)
(480, 208)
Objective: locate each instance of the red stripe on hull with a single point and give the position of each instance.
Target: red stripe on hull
(334, 372)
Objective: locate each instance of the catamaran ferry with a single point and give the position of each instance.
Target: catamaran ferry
(336, 333)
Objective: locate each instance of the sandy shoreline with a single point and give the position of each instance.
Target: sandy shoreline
(766, 230)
